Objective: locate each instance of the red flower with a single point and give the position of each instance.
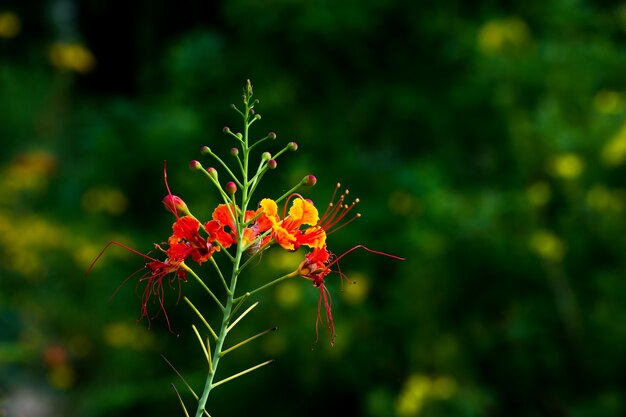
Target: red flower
(316, 266)
(155, 273)
(187, 242)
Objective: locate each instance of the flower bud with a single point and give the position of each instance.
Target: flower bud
(212, 172)
(234, 151)
(257, 117)
(266, 156)
(271, 164)
(271, 135)
(292, 146)
(230, 188)
(205, 150)
(175, 205)
(195, 165)
(309, 180)
(226, 129)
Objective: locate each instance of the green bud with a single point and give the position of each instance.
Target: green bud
(234, 151)
(195, 165)
(271, 135)
(205, 150)
(212, 172)
(292, 146)
(226, 129)
(265, 156)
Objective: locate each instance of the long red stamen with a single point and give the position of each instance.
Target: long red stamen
(330, 324)
(121, 245)
(334, 261)
(336, 211)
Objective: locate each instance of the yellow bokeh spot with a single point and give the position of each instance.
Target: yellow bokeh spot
(609, 102)
(444, 387)
(614, 151)
(123, 335)
(289, 294)
(547, 245)
(284, 260)
(419, 389)
(539, 193)
(10, 25)
(499, 34)
(71, 57)
(600, 198)
(105, 200)
(62, 376)
(567, 166)
(355, 291)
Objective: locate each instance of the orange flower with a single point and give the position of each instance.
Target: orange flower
(287, 232)
(228, 234)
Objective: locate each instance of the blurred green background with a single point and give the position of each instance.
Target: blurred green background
(487, 143)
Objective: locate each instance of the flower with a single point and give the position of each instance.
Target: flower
(186, 242)
(155, 272)
(154, 276)
(287, 232)
(316, 267)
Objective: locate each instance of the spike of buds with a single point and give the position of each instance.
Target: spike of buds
(292, 146)
(230, 188)
(309, 180)
(195, 165)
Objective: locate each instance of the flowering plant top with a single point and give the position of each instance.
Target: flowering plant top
(241, 232)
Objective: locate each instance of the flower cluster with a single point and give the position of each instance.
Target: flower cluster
(241, 232)
(298, 225)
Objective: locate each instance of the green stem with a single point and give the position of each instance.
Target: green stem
(230, 300)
